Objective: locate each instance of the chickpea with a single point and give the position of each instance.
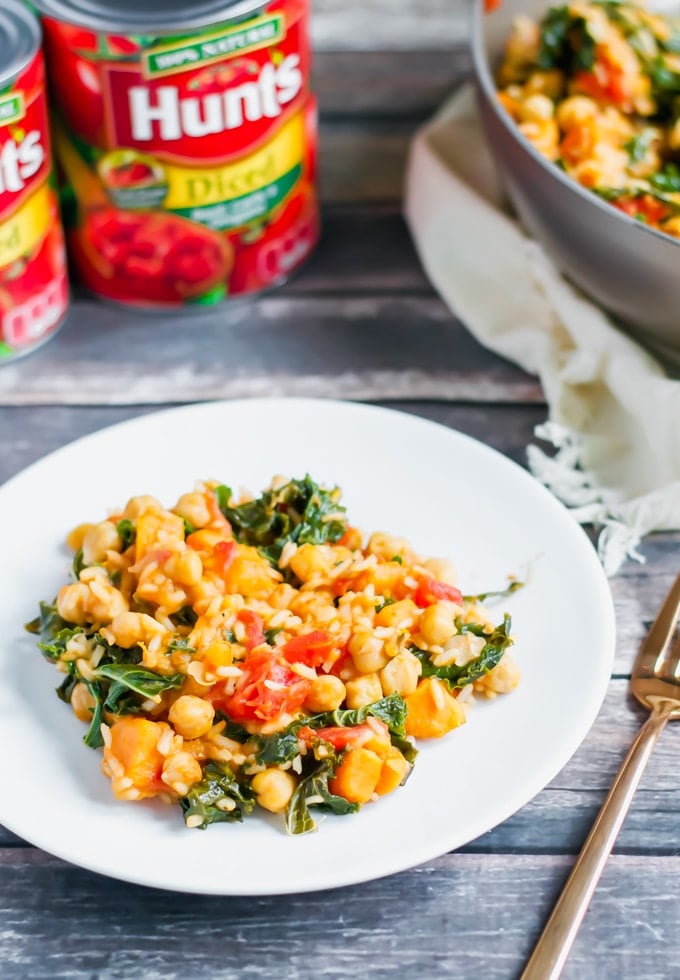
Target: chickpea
(504, 678)
(75, 538)
(191, 717)
(130, 628)
(367, 651)
(282, 596)
(672, 227)
(576, 110)
(99, 539)
(401, 613)
(107, 603)
(82, 702)
(92, 600)
(536, 108)
(327, 694)
(72, 601)
(363, 690)
(137, 505)
(273, 789)
(180, 772)
(550, 83)
(184, 567)
(193, 507)
(400, 675)
(386, 546)
(312, 561)
(442, 570)
(436, 623)
(544, 134)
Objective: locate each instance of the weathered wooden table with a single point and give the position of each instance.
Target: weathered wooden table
(361, 322)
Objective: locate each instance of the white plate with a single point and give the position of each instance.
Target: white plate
(450, 496)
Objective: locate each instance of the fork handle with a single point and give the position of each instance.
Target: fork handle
(552, 949)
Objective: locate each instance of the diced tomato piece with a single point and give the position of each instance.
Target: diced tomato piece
(605, 82)
(647, 207)
(225, 552)
(217, 518)
(312, 649)
(343, 662)
(351, 539)
(348, 736)
(267, 689)
(254, 626)
(339, 737)
(430, 591)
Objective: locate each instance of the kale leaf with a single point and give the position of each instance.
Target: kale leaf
(301, 511)
(218, 798)
(283, 746)
(565, 42)
(54, 632)
(456, 677)
(138, 679)
(184, 617)
(78, 564)
(497, 594)
(93, 737)
(392, 710)
(637, 146)
(312, 790)
(667, 180)
(279, 747)
(126, 532)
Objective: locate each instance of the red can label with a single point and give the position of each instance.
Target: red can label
(33, 281)
(192, 161)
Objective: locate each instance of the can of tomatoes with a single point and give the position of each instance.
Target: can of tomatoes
(187, 137)
(33, 279)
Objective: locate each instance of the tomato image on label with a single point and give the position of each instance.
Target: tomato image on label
(205, 141)
(151, 256)
(132, 180)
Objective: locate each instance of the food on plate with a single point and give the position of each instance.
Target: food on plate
(595, 87)
(234, 651)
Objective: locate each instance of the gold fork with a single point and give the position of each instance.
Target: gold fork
(655, 682)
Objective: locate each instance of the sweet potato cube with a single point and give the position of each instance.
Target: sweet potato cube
(134, 743)
(250, 574)
(393, 773)
(432, 710)
(357, 776)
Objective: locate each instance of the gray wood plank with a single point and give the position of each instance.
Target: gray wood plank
(452, 918)
(381, 84)
(384, 24)
(364, 160)
(355, 347)
(28, 434)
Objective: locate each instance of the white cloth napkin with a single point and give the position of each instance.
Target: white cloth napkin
(614, 416)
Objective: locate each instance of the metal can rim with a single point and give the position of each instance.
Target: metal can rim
(160, 23)
(21, 16)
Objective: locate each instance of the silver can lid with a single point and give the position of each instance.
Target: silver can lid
(20, 40)
(154, 17)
